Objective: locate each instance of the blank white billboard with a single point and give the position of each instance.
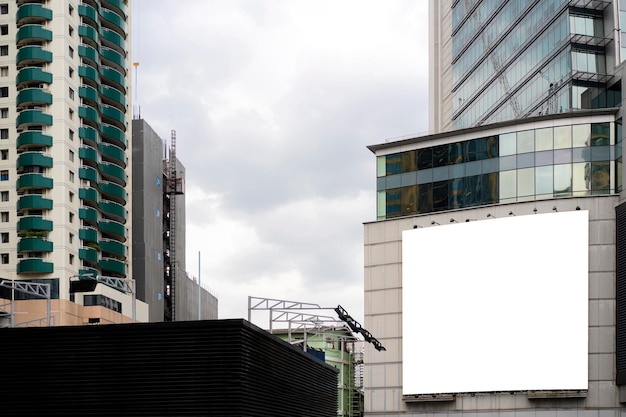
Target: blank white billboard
(496, 305)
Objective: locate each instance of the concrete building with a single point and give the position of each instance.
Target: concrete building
(159, 232)
(494, 271)
(65, 133)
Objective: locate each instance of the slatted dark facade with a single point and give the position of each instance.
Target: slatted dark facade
(620, 293)
(210, 368)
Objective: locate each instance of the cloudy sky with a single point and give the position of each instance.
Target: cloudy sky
(273, 103)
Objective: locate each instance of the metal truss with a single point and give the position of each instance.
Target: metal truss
(32, 288)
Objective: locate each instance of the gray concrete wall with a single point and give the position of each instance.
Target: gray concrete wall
(187, 301)
(383, 318)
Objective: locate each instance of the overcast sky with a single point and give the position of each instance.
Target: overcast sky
(273, 103)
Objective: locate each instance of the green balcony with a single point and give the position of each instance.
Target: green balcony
(33, 138)
(34, 158)
(113, 247)
(28, 55)
(88, 214)
(113, 152)
(89, 114)
(88, 235)
(30, 13)
(115, 77)
(90, 195)
(32, 97)
(113, 94)
(28, 117)
(114, 267)
(114, 135)
(88, 173)
(88, 254)
(90, 54)
(33, 74)
(89, 13)
(89, 32)
(89, 155)
(113, 210)
(114, 229)
(88, 133)
(89, 93)
(90, 73)
(113, 173)
(115, 19)
(120, 5)
(89, 272)
(34, 244)
(111, 57)
(34, 202)
(33, 33)
(34, 266)
(30, 223)
(114, 116)
(113, 192)
(29, 181)
(113, 39)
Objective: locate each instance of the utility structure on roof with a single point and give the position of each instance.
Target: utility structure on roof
(331, 339)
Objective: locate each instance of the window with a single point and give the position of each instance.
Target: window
(72, 156)
(4, 50)
(71, 94)
(4, 8)
(71, 52)
(4, 91)
(4, 71)
(5, 258)
(71, 133)
(4, 175)
(71, 10)
(4, 113)
(71, 72)
(71, 176)
(4, 237)
(4, 133)
(71, 237)
(71, 259)
(4, 154)
(71, 31)
(71, 114)
(71, 217)
(4, 30)
(4, 216)
(4, 196)
(71, 196)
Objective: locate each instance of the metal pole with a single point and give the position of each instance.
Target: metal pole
(134, 295)
(48, 305)
(199, 290)
(12, 303)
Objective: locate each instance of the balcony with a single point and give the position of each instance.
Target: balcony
(88, 234)
(88, 214)
(34, 266)
(117, 22)
(113, 173)
(32, 97)
(30, 55)
(90, 73)
(88, 173)
(32, 13)
(114, 78)
(33, 138)
(113, 210)
(34, 202)
(35, 33)
(34, 159)
(113, 39)
(113, 152)
(34, 244)
(89, 55)
(32, 117)
(115, 248)
(90, 94)
(89, 14)
(111, 266)
(112, 191)
(89, 115)
(33, 181)
(88, 155)
(88, 254)
(114, 229)
(33, 75)
(89, 134)
(113, 97)
(29, 223)
(118, 5)
(114, 116)
(114, 135)
(89, 33)
(90, 196)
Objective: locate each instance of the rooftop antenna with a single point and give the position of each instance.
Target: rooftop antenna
(136, 65)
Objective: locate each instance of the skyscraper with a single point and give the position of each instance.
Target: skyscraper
(494, 271)
(493, 61)
(64, 147)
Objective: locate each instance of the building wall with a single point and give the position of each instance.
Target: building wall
(187, 301)
(383, 317)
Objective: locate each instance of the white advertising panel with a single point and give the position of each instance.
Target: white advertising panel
(496, 305)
